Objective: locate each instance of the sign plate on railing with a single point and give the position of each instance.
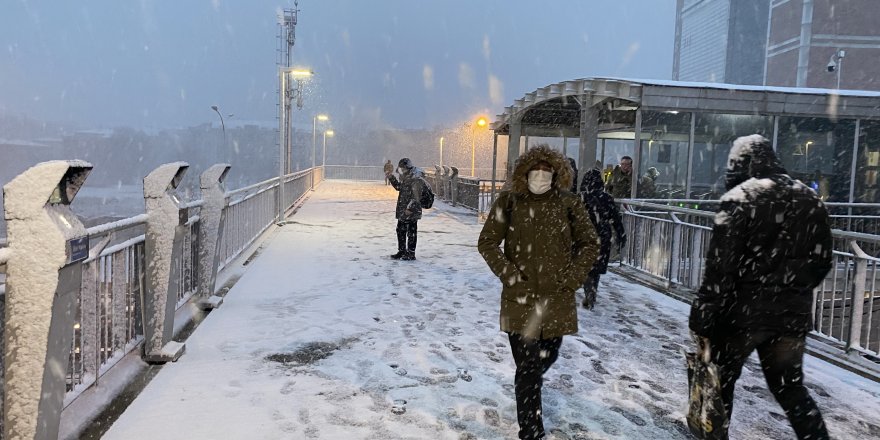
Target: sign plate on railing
(77, 249)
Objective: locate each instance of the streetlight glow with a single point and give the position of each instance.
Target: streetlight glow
(322, 118)
(481, 122)
(301, 73)
(324, 159)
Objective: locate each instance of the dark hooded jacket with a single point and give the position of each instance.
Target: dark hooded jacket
(771, 245)
(410, 186)
(604, 215)
(549, 245)
(574, 180)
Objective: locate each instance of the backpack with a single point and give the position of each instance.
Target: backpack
(427, 199)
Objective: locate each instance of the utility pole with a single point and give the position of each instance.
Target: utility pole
(286, 40)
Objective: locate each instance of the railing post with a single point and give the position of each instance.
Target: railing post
(696, 258)
(453, 185)
(447, 190)
(675, 254)
(166, 218)
(858, 297)
(43, 279)
(212, 219)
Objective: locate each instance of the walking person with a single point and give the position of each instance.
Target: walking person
(388, 168)
(605, 216)
(771, 246)
(620, 183)
(548, 246)
(648, 184)
(409, 210)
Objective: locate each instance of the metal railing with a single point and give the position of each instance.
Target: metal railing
(353, 172)
(108, 320)
(475, 194)
(670, 244)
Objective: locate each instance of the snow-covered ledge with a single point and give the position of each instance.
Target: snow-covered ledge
(210, 228)
(166, 217)
(46, 245)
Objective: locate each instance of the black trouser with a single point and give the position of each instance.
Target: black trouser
(533, 357)
(592, 283)
(406, 235)
(782, 357)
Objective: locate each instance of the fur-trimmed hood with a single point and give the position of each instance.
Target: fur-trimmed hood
(562, 172)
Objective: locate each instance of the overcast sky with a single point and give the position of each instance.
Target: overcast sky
(401, 63)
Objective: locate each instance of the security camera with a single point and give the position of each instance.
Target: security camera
(832, 65)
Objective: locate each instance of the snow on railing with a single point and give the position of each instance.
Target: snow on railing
(670, 243)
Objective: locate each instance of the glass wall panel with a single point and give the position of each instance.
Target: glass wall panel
(867, 188)
(664, 152)
(818, 152)
(713, 136)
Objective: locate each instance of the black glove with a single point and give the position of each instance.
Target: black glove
(703, 320)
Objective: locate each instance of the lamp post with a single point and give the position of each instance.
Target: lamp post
(223, 126)
(807, 156)
(284, 143)
(835, 64)
(482, 123)
(324, 159)
(315, 120)
(441, 151)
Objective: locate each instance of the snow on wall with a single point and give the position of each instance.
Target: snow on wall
(36, 242)
(162, 210)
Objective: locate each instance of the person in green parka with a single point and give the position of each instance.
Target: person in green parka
(549, 245)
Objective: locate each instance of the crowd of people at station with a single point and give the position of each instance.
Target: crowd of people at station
(547, 236)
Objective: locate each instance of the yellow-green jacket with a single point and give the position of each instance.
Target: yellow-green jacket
(549, 246)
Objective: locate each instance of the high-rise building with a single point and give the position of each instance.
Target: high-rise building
(812, 43)
(721, 41)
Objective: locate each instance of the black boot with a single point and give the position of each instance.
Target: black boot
(399, 255)
(409, 256)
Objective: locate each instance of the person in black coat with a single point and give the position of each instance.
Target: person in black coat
(409, 208)
(771, 246)
(605, 217)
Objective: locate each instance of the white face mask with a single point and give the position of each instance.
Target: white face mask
(540, 181)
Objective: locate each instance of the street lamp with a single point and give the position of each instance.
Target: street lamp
(315, 120)
(807, 156)
(482, 123)
(324, 159)
(441, 151)
(284, 144)
(222, 125)
(835, 64)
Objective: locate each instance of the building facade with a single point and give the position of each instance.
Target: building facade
(807, 37)
(720, 41)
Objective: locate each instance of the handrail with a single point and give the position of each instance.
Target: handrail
(118, 225)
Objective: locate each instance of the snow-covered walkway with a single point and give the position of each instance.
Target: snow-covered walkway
(325, 337)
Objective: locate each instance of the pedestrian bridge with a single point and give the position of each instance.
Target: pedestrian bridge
(309, 330)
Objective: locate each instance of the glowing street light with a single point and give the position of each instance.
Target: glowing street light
(481, 122)
(287, 95)
(326, 133)
(322, 118)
